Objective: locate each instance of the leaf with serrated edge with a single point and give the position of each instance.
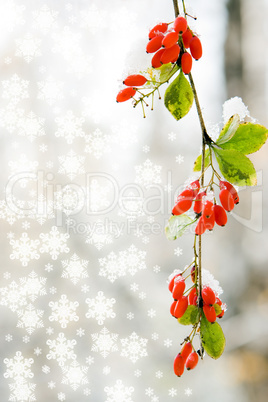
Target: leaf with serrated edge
(198, 161)
(191, 315)
(212, 338)
(236, 167)
(176, 226)
(229, 129)
(179, 97)
(248, 138)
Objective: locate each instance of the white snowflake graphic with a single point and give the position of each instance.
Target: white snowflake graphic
(23, 164)
(10, 117)
(74, 375)
(28, 47)
(18, 367)
(97, 143)
(12, 296)
(70, 199)
(33, 286)
(54, 243)
(71, 164)
(112, 267)
(104, 342)
(134, 347)
(93, 18)
(100, 308)
(119, 392)
(50, 91)
(15, 89)
(44, 19)
(74, 269)
(148, 173)
(133, 258)
(31, 126)
(61, 349)
(30, 319)
(66, 42)
(63, 311)
(131, 206)
(100, 234)
(24, 249)
(69, 127)
(128, 261)
(22, 391)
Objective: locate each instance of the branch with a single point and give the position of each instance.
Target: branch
(176, 8)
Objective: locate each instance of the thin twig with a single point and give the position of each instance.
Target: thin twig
(176, 8)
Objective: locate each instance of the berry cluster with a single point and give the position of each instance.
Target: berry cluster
(207, 211)
(208, 304)
(169, 44)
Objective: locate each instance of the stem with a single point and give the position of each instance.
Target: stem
(176, 8)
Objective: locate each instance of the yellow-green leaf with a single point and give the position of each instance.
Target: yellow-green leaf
(229, 129)
(236, 167)
(248, 138)
(198, 161)
(179, 97)
(176, 226)
(191, 315)
(212, 338)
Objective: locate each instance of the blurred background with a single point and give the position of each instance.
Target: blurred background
(87, 186)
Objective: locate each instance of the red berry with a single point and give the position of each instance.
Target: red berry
(162, 27)
(186, 63)
(154, 44)
(193, 273)
(172, 308)
(226, 199)
(180, 24)
(170, 55)
(196, 48)
(171, 282)
(192, 297)
(156, 58)
(200, 227)
(209, 222)
(125, 94)
(179, 365)
(207, 209)
(186, 37)
(195, 187)
(198, 202)
(178, 288)
(208, 295)
(170, 39)
(191, 361)
(231, 189)
(181, 307)
(210, 313)
(135, 80)
(220, 215)
(184, 202)
(186, 350)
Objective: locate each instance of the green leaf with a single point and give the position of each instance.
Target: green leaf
(212, 338)
(229, 129)
(176, 226)
(165, 71)
(179, 97)
(191, 316)
(198, 161)
(248, 138)
(236, 167)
